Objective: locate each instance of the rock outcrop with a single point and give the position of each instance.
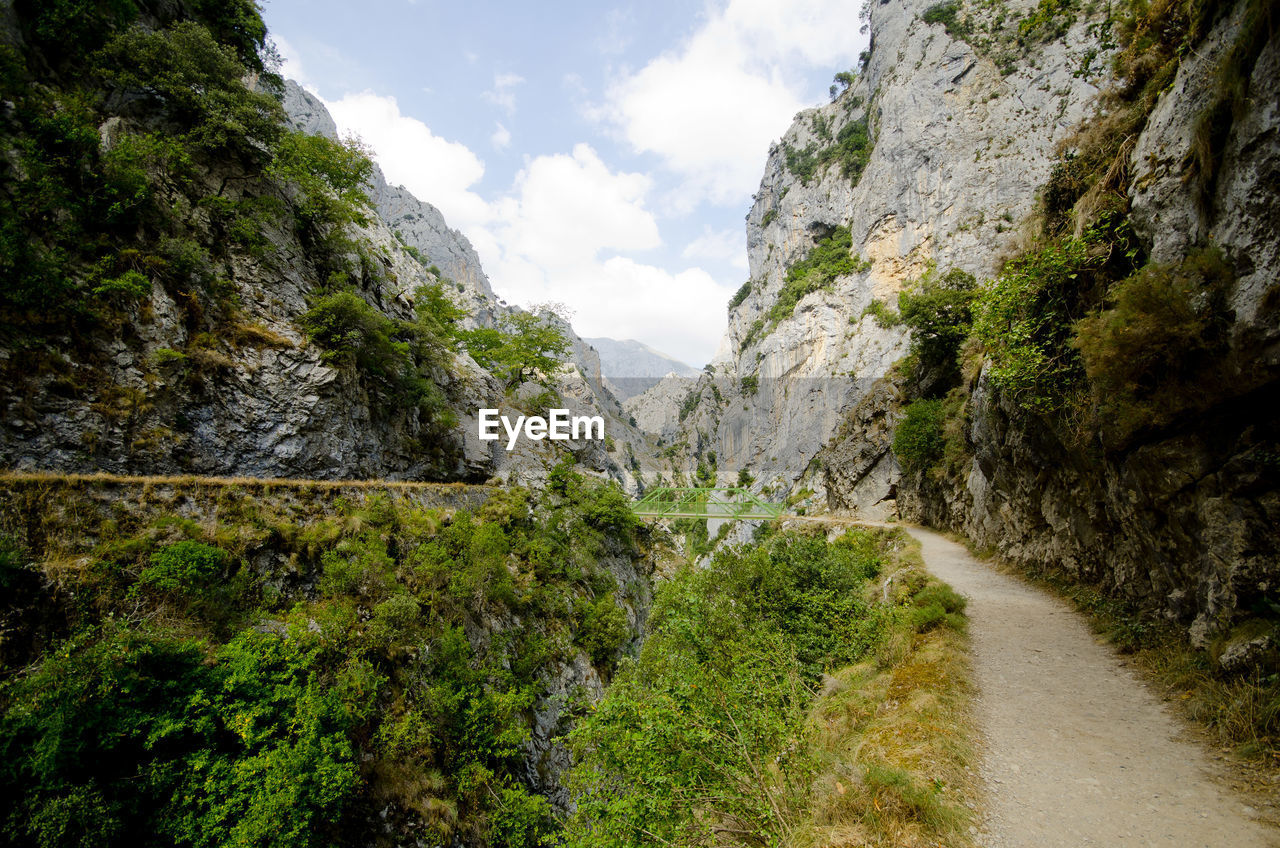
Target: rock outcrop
(956, 151)
(171, 395)
(965, 118)
(1181, 521)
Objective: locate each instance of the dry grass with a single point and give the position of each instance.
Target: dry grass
(257, 334)
(101, 478)
(896, 736)
(66, 516)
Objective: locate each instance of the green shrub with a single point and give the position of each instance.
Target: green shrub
(183, 567)
(521, 820)
(130, 739)
(332, 178)
(749, 384)
(829, 259)
(129, 286)
(935, 604)
(740, 295)
(708, 724)
(187, 75)
(606, 506)
(918, 440)
(1025, 320)
(880, 312)
(939, 313)
(1147, 355)
(851, 149)
(393, 621)
(603, 629)
(947, 14)
(355, 567)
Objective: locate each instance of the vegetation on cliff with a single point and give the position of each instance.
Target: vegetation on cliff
(150, 183)
(1083, 353)
(217, 665)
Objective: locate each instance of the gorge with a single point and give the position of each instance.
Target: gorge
(275, 574)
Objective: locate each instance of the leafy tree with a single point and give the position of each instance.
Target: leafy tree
(841, 83)
(939, 312)
(528, 347)
(438, 316)
(197, 83)
(331, 176)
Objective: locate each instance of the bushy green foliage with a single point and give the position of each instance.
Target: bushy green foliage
(353, 687)
(196, 83)
(947, 14)
(830, 258)
(1149, 355)
(918, 440)
(706, 730)
(331, 177)
(1025, 319)
(851, 149)
(939, 312)
(937, 604)
(603, 629)
(527, 347)
(880, 312)
(183, 566)
(1049, 20)
(121, 738)
(743, 292)
(749, 384)
(190, 155)
(396, 357)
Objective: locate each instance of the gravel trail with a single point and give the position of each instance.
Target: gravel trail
(1076, 750)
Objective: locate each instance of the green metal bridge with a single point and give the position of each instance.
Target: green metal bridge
(724, 503)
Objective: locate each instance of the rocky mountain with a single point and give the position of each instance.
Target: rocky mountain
(926, 160)
(1039, 182)
(421, 230)
(186, 340)
(657, 409)
(631, 367)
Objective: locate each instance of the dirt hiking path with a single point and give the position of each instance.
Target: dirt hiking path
(1076, 750)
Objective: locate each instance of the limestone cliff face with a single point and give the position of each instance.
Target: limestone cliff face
(168, 394)
(1183, 521)
(958, 152)
(965, 127)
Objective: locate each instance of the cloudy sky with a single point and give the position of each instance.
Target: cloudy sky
(598, 154)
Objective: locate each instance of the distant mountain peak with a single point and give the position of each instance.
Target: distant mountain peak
(632, 366)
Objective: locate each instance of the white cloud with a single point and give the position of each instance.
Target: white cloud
(438, 171)
(711, 108)
(566, 209)
(502, 94)
(501, 138)
(561, 235)
(719, 245)
(682, 314)
(291, 66)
